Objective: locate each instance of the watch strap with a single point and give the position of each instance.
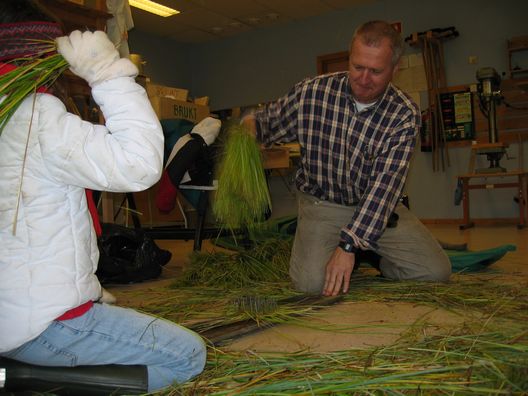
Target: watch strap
(347, 247)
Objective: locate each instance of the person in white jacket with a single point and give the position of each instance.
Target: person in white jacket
(49, 309)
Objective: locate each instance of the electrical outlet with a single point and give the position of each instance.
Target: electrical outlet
(472, 59)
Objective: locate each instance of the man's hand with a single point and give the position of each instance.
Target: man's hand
(338, 271)
(248, 121)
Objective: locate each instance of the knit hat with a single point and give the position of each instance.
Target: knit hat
(24, 39)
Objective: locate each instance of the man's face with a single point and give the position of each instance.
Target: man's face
(370, 70)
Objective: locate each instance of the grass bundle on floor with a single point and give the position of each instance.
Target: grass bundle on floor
(31, 73)
(267, 262)
(242, 197)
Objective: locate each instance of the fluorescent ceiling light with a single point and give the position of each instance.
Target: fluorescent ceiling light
(155, 8)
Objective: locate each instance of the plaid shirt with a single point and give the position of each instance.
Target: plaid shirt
(347, 157)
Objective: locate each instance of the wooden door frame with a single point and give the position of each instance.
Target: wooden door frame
(324, 60)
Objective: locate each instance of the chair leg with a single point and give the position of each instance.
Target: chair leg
(203, 202)
(133, 210)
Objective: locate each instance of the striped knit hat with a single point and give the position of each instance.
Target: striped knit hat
(21, 39)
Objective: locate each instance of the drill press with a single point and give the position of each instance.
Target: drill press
(488, 90)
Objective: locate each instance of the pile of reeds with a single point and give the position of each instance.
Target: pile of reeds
(490, 363)
(473, 299)
(268, 261)
(203, 308)
(39, 70)
(485, 354)
(242, 197)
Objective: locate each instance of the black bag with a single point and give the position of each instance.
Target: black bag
(128, 255)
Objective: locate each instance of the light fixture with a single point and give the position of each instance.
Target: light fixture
(153, 7)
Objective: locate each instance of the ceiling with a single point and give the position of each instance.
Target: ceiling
(207, 20)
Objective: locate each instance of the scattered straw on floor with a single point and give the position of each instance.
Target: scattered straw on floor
(486, 354)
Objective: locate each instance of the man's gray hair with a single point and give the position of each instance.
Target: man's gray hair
(373, 32)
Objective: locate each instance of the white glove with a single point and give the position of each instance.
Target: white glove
(208, 129)
(93, 57)
(107, 297)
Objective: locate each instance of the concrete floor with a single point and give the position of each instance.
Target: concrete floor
(513, 267)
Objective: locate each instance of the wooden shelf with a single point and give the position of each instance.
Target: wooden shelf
(517, 44)
(519, 71)
(78, 17)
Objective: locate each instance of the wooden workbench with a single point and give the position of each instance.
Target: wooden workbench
(519, 183)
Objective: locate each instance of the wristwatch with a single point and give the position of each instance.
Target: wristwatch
(347, 247)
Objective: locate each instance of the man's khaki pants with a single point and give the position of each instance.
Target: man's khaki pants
(408, 251)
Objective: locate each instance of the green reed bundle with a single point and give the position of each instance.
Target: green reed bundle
(242, 197)
(31, 73)
(266, 262)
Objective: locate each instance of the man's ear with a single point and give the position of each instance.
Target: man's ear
(395, 70)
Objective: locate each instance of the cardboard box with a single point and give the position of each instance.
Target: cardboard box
(167, 108)
(276, 157)
(163, 91)
(150, 215)
(204, 101)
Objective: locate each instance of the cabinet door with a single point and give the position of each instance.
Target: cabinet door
(78, 17)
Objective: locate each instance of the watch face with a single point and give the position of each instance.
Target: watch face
(347, 247)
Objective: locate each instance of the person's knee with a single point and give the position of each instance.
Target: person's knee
(201, 357)
(197, 356)
(434, 268)
(441, 270)
(188, 360)
(308, 287)
(306, 284)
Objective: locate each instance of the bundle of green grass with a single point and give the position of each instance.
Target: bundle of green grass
(242, 198)
(30, 73)
(268, 261)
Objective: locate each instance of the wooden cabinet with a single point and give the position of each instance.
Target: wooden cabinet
(78, 17)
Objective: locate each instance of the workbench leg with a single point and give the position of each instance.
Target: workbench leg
(522, 204)
(465, 203)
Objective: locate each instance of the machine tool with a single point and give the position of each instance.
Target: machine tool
(489, 94)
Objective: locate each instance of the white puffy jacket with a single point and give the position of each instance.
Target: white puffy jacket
(48, 266)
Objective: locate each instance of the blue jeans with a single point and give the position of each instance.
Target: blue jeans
(108, 334)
